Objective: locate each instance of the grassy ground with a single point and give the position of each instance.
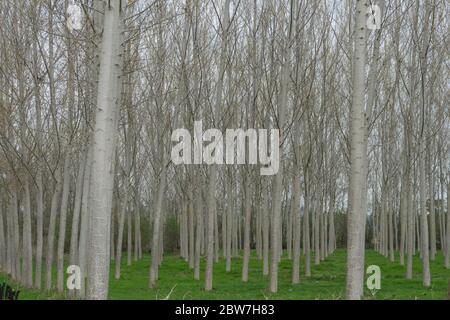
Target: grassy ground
(327, 281)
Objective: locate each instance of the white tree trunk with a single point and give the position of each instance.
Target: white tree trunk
(210, 227)
(198, 207)
(39, 229)
(230, 218)
(62, 226)
(447, 241)
(248, 212)
(84, 224)
(191, 227)
(265, 227)
(122, 212)
(296, 227)
(73, 251)
(27, 246)
(424, 248)
(211, 198)
(358, 130)
(51, 229)
(278, 180)
(2, 240)
(432, 212)
(424, 235)
(103, 151)
(157, 223)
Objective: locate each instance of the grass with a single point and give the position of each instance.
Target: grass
(327, 281)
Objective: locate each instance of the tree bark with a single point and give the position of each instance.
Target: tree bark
(51, 229)
(104, 150)
(358, 130)
(62, 226)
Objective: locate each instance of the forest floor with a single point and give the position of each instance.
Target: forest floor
(326, 282)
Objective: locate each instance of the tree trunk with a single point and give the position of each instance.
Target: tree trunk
(296, 227)
(51, 229)
(73, 253)
(129, 231)
(27, 246)
(266, 228)
(210, 227)
(198, 207)
(122, 212)
(103, 151)
(191, 227)
(62, 226)
(248, 214)
(447, 245)
(424, 249)
(278, 179)
(358, 130)
(2, 240)
(84, 224)
(157, 222)
(211, 198)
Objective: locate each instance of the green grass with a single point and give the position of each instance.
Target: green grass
(327, 281)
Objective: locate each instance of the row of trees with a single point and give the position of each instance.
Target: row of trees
(86, 118)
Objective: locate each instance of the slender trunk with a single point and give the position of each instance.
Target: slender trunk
(62, 226)
(216, 238)
(9, 240)
(112, 253)
(157, 223)
(51, 229)
(278, 179)
(331, 230)
(229, 221)
(306, 244)
(391, 235)
(73, 253)
(248, 212)
(211, 198)
(447, 245)
(289, 221)
(15, 235)
(423, 219)
(191, 227)
(39, 229)
(129, 231)
(101, 189)
(122, 212)
(84, 224)
(210, 227)
(223, 226)
(422, 180)
(432, 212)
(198, 207)
(27, 247)
(2, 240)
(137, 222)
(358, 131)
(317, 227)
(266, 228)
(410, 219)
(403, 213)
(296, 229)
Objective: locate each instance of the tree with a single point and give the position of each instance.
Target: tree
(358, 130)
(103, 150)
